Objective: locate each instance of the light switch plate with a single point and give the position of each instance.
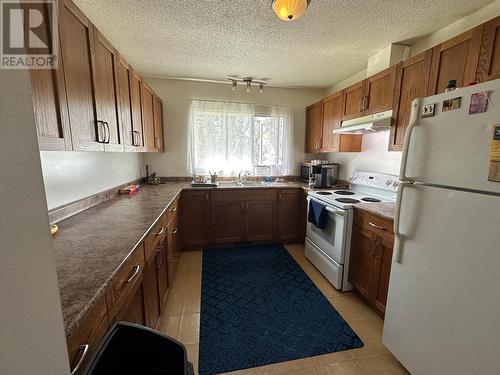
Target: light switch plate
(427, 110)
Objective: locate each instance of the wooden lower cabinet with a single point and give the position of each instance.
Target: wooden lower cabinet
(291, 211)
(370, 258)
(133, 311)
(151, 293)
(227, 218)
(195, 217)
(260, 220)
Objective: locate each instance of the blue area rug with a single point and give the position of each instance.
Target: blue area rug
(259, 307)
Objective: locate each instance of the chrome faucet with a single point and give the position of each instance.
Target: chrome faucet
(242, 176)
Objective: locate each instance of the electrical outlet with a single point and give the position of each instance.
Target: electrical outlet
(427, 110)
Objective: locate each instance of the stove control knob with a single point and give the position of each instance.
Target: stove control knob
(388, 182)
(395, 183)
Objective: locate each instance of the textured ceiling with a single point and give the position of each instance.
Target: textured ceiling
(211, 39)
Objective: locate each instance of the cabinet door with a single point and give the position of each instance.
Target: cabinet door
(136, 104)
(332, 114)
(162, 271)
(76, 40)
(456, 59)
(352, 101)
(133, 310)
(379, 91)
(49, 102)
(411, 82)
(380, 284)
(151, 293)
(158, 123)
(125, 106)
(291, 214)
(227, 220)
(195, 217)
(173, 235)
(489, 56)
(313, 127)
(362, 261)
(260, 220)
(105, 63)
(148, 118)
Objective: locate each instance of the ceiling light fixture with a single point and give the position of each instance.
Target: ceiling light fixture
(248, 81)
(289, 10)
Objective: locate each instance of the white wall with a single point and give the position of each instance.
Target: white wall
(32, 339)
(375, 155)
(70, 176)
(176, 95)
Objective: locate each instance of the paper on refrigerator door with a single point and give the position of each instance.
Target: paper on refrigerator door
(494, 157)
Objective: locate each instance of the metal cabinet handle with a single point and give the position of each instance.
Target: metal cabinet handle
(134, 138)
(173, 209)
(85, 348)
(101, 131)
(107, 131)
(206, 198)
(162, 229)
(137, 268)
(360, 104)
(175, 231)
(376, 226)
(157, 142)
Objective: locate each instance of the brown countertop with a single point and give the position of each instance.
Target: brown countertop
(384, 209)
(91, 245)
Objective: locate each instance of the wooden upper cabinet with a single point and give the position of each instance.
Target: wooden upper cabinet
(125, 105)
(456, 59)
(49, 102)
(332, 114)
(489, 57)
(136, 104)
(105, 64)
(158, 123)
(148, 117)
(76, 40)
(314, 127)
(352, 101)
(411, 83)
(379, 91)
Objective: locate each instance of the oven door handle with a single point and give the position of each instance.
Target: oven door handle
(328, 208)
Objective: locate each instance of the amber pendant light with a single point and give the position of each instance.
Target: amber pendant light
(290, 10)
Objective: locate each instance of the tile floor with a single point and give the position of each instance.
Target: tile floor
(182, 321)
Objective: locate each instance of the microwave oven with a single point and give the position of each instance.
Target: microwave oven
(326, 174)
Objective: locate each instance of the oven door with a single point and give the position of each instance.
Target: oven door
(332, 238)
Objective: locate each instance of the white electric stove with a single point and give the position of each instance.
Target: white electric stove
(328, 248)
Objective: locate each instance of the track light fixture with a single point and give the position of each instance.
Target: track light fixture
(248, 81)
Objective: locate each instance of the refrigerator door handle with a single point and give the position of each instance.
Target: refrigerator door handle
(414, 115)
(398, 237)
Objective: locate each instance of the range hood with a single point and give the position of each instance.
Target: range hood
(371, 123)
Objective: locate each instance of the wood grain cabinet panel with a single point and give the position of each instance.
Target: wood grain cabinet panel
(195, 217)
(227, 221)
(151, 293)
(133, 310)
(313, 127)
(49, 101)
(260, 220)
(411, 82)
(291, 214)
(148, 117)
(489, 57)
(371, 258)
(76, 41)
(105, 65)
(164, 281)
(456, 59)
(379, 91)
(136, 104)
(158, 123)
(332, 115)
(352, 101)
(130, 139)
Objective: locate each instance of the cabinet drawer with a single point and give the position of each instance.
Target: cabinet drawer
(127, 277)
(155, 236)
(171, 211)
(375, 224)
(83, 343)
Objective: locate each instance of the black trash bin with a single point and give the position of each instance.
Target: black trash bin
(133, 349)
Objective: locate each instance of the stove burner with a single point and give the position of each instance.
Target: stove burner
(369, 199)
(347, 200)
(324, 193)
(344, 192)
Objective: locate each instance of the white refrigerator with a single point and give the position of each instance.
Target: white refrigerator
(443, 306)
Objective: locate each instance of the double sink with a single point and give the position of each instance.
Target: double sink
(251, 184)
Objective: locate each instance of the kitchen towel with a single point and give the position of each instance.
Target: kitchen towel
(317, 214)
